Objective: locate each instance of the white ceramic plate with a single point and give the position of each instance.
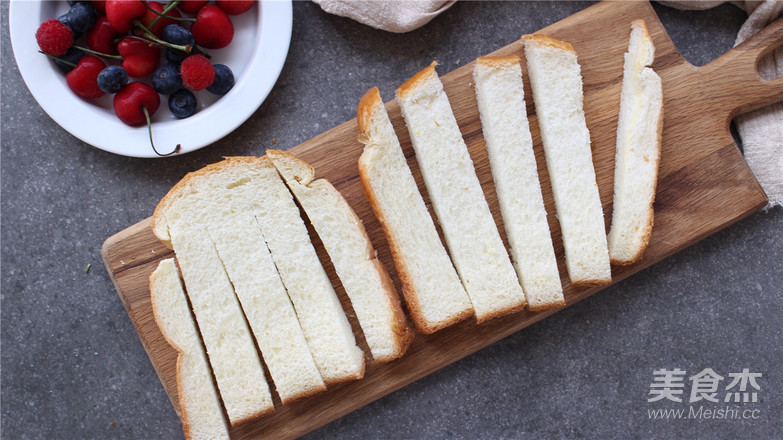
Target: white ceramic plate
(256, 55)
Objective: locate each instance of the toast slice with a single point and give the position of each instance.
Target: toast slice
(432, 290)
(202, 413)
(556, 80)
(217, 202)
(320, 313)
(501, 101)
(366, 282)
(639, 130)
(472, 237)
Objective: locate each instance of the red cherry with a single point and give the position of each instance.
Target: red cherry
(150, 16)
(213, 28)
(83, 79)
(191, 6)
(99, 5)
(235, 7)
(101, 37)
(129, 101)
(140, 58)
(122, 12)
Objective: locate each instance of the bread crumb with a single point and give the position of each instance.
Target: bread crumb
(274, 141)
(587, 321)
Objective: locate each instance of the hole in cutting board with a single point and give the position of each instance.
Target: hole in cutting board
(687, 30)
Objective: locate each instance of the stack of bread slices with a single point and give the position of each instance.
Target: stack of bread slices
(251, 310)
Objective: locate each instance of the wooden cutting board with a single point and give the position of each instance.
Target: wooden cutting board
(704, 185)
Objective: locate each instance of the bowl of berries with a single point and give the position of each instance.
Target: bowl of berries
(150, 79)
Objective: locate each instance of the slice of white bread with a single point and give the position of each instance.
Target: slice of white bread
(501, 101)
(216, 200)
(639, 130)
(432, 290)
(200, 408)
(366, 282)
(232, 352)
(556, 80)
(320, 313)
(471, 234)
(268, 310)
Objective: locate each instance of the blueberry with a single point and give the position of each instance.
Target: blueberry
(182, 103)
(72, 56)
(112, 79)
(175, 56)
(223, 82)
(166, 79)
(80, 18)
(176, 34)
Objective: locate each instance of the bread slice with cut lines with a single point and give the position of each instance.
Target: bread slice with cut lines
(252, 185)
(471, 234)
(501, 101)
(232, 352)
(320, 313)
(366, 282)
(639, 131)
(433, 293)
(268, 310)
(199, 403)
(556, 80)
(214, 199)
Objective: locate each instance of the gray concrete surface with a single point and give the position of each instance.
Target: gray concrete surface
(72, 366)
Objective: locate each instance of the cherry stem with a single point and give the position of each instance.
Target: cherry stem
(149, 129)
(54, 57)
(162, 14)
(100, 54)
(147, 35)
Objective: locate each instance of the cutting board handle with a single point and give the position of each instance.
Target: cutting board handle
(732, 80)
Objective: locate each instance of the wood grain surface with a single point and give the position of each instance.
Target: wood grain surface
(704, 185)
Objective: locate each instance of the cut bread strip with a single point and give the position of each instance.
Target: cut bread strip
(217, 199)
(472, 237)
(268, 309)
(232, 353)
(639, 130)
(501, 102)
(202, 413)
(433, 293)
(556, 80)
(320, 313)
(366, 282)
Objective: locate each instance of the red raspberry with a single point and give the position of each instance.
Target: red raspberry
(54, 37)
(197, 72)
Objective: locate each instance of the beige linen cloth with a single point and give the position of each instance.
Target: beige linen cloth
(761, 131)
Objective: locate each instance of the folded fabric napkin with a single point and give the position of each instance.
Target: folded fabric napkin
(761, 130)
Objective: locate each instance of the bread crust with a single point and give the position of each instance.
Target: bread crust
(546, 306)
(544, 40)
(498, 62)
(423, 75)
(368, 108)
